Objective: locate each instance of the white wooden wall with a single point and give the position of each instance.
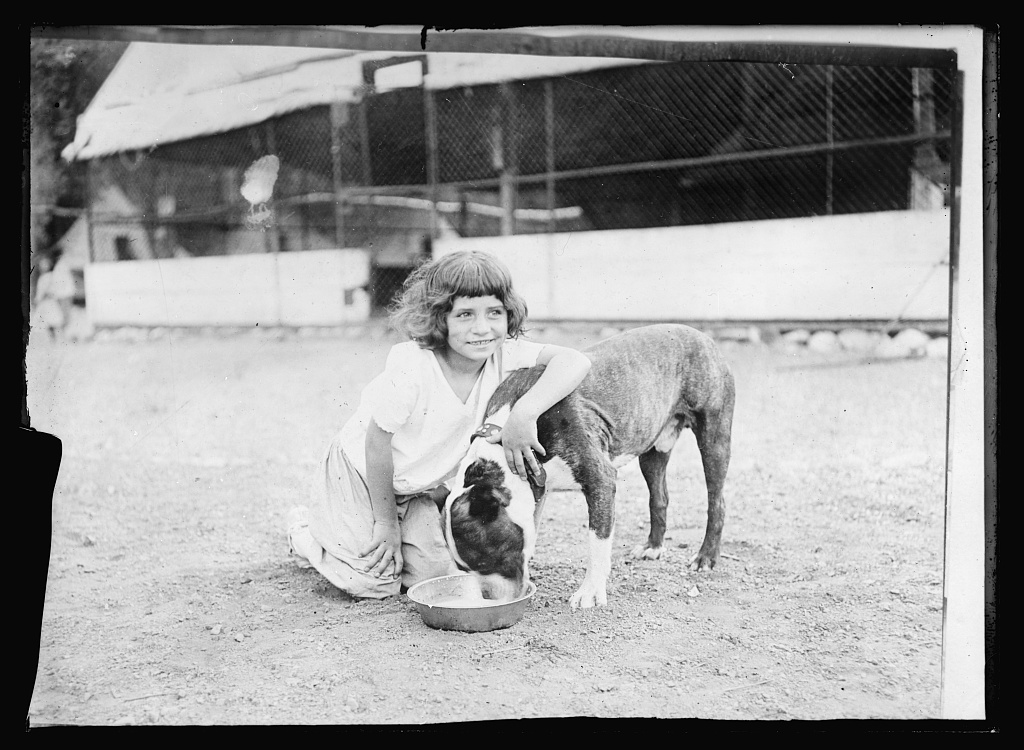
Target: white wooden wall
(293, 289)
(859, 266)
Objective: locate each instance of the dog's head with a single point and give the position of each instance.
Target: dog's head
(489, 524)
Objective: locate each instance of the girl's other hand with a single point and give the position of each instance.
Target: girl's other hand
(384, 547)
(519, 439)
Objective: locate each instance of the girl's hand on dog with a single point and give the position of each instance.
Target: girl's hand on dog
(519, 439)
(385, 548)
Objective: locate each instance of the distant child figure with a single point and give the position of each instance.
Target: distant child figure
(55, 290)
(373, 523)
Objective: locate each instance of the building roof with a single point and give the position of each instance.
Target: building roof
(162, 93)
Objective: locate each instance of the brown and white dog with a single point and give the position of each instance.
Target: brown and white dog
(645, 386)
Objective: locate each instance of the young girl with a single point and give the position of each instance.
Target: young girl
(374, 525)
(54, 291)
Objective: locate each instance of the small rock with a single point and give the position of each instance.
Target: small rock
(916, 341)
(694, 591)
(239, 637)
(351, 704)
(938, 347)
(798, 336)
(858, 340)
(823, 341)
(216, 629)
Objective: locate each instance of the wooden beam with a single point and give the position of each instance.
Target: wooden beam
(339, 116)
(505, 41)
(549, 150)
(430, 123)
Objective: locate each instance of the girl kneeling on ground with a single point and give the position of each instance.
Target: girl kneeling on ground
(373, 524)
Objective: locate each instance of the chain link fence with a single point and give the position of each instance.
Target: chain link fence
(644, 145)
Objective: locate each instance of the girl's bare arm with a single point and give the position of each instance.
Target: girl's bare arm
(386, 544)
(566, 368)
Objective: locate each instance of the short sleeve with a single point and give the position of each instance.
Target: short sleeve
(391, 396)
(517, 354)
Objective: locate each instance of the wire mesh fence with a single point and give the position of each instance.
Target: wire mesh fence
(642, 145)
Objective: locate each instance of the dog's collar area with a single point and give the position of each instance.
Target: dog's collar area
(486, 430)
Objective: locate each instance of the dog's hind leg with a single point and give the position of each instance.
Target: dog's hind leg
(713, 431)
(654, 465)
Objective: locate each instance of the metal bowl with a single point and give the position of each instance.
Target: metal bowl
(455, 603)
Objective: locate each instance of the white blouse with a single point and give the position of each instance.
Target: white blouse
(431, 426)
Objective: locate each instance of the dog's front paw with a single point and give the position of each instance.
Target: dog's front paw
(590, 594)
(702, 562)
(643, 552)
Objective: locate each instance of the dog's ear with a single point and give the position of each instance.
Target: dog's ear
(487, 492)
(484, 472)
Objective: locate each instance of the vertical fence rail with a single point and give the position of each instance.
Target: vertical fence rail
(549, 143)
(829, 138)
(430, 120)
(337, 179)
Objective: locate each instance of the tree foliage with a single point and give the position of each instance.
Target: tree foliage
(64, 75)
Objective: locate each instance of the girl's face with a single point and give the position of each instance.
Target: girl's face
(477, 326)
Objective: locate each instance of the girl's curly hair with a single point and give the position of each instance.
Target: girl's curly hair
(427, 296)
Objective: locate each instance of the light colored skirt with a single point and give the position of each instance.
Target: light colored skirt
(337, 525)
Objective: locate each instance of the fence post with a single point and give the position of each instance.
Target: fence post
(88, 212)
(364, 134)
(507, 148)
(339, 116)
(430, 113)
(829, 139)
(273, 237)
(549, 127)
(750, 106)
(925, 157)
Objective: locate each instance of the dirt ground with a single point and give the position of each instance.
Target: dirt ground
(172, 600)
